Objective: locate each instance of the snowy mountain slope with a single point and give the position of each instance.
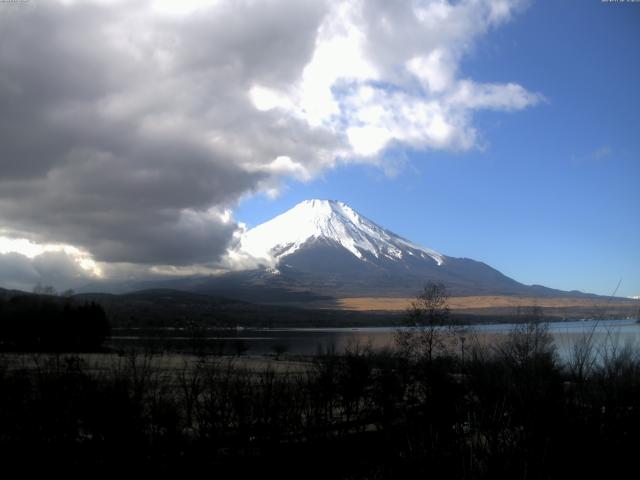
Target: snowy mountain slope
(327, 247)
(332, 222)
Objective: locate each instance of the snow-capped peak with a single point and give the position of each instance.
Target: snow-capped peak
(329, 220)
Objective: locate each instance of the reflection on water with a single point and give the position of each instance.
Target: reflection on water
(308, 341)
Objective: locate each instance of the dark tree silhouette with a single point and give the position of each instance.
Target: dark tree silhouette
(427, 315)
(46, 323)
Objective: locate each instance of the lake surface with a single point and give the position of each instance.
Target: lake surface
(309, 341)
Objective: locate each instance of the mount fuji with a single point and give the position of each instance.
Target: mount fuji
(326, 247)
(314, 223)
(321, 251)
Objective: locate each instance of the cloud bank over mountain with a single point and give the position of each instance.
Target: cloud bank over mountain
(130, 130)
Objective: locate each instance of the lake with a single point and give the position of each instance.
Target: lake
(309, 341)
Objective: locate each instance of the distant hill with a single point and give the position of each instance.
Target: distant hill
(167, 308)
(175, 308)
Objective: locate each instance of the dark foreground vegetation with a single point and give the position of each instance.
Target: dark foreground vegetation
(50, 323)
(439, 405)
(509, 411)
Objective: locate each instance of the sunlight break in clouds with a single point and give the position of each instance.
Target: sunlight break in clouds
(130, 130)
(388, 71)
(24, 264)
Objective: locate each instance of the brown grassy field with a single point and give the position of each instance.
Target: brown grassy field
(483, 302)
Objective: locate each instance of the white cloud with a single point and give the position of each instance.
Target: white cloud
(31, 250)
(434, 71)
(368, 139)
(601, 153)
(58, 268)
(267, 99)
(469, 95)
(391, 74)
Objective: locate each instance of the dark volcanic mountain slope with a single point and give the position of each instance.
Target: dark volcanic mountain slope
(329, 269)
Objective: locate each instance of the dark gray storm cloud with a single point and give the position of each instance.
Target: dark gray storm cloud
(128, 133)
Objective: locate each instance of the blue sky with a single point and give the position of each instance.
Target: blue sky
(550, 196)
